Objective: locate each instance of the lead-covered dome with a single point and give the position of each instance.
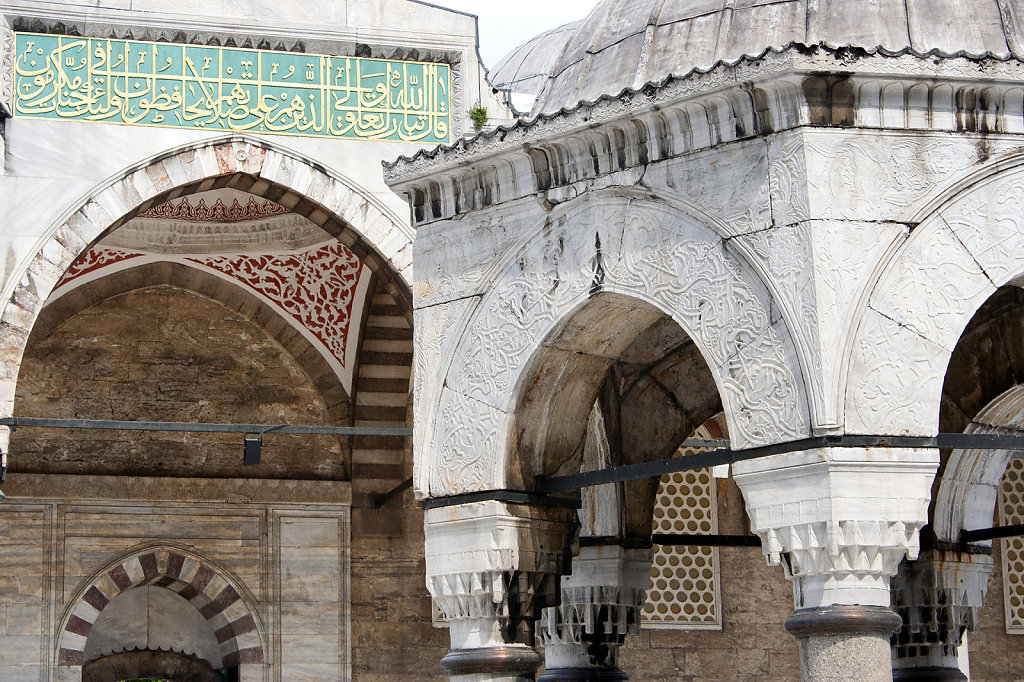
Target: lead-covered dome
(627, 43)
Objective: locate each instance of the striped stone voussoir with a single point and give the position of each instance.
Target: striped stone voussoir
(202, 585)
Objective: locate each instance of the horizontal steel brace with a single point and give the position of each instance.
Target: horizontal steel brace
(1007, 531)
(695, 540)
(725, 455)
(507, 496)
(199, 427)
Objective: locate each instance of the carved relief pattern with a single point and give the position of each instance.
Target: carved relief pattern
(736, 193)
(218, 212)
(460, 256)
(435, 330)
(895, 380)
(934, 286)
(468, 445)
(840, 282)
(620, 246)
(276, 233)
(787, 173)
(92, 260)
(990, 223)
(316, 287)
(873, 177)
(784, 253)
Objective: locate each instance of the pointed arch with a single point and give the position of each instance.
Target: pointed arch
(380, 239)
(604, 243)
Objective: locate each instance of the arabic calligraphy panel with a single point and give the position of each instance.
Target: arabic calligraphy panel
(231, 89)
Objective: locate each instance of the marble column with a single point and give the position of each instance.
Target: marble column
(839, 521)
(601, 603)
(938, 597)
(491, 567)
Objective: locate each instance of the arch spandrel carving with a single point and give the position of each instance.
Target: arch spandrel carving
(256, 166)
(925, 296)
(639, 249)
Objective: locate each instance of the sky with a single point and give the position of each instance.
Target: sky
(504, 26)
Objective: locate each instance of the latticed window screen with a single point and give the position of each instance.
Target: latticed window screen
(685, 588)
(1011, 511)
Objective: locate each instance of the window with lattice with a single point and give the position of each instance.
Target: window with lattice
(1011, 511)
(685, 590)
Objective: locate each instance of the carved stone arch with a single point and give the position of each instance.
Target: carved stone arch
(924, 297)
(242, 162)
(615, 244)
(220, 598)
(222, 290)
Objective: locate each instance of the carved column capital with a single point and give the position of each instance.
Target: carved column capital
(839, 520)
(938, 596)
(601, 602)
(491, 566)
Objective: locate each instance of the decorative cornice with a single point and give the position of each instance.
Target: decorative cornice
(821, 58)
(217, 212)
(755, 96)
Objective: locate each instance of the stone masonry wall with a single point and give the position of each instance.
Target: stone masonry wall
(753, 643)
(165, 354)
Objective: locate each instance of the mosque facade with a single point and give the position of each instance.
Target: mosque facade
(701, 360)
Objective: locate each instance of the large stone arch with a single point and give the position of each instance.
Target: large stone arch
(375, 235)
(311, 358)
(219, 597)
(604, 242)
(925, 294)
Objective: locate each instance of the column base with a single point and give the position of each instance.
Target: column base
(498, 663)
(580, 674)
(844, 643)
(928, 674)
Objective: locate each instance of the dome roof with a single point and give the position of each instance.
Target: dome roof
(627, 43)
(526, 69)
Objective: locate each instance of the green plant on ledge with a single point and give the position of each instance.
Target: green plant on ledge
(478, 114)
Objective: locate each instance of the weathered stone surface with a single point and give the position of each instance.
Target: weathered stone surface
(113, 361)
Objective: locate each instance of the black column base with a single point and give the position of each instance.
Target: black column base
(508, 660)
(928, 674)
(843, 620)
(608, 674)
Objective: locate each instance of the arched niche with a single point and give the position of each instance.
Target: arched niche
(377, 237)
(195, 582)
(152, 618)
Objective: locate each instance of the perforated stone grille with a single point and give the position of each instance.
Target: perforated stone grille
(1011, 511)
(685, 580)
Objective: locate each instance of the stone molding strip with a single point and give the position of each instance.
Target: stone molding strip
(178, 490)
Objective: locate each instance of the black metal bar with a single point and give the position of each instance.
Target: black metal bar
(700, 460)
(509, 496)
(657, 468)
(979, 534)
(384, 498)
(694, 540)
(200, 427)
